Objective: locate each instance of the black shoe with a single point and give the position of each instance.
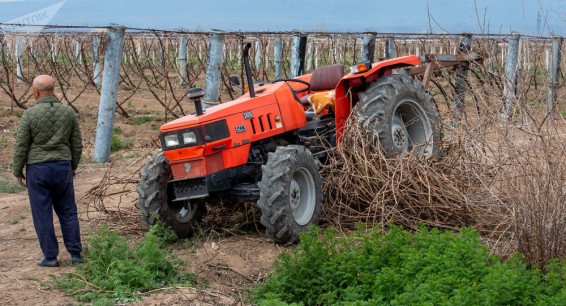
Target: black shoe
(77, 259)
(51, 263)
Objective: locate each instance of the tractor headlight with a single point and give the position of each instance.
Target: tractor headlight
(171, 140)
(189, 138)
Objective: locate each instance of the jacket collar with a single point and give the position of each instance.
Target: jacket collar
(48, 99)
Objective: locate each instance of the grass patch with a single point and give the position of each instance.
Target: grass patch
(143, 119)
(116, 272)
(428, 267)
(17, 220)
(118, 143)
(10, 187)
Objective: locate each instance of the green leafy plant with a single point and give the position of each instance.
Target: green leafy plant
(405, 268)
(119, 143)
(116, 271)
(143, 119)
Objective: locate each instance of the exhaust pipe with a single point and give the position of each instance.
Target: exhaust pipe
(249, 69)
(195, 94)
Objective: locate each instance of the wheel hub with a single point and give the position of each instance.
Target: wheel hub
(295, 195)
(399, 133)
(302, 196)
(184, 211)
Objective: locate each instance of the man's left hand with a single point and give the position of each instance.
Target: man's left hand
(21, 181)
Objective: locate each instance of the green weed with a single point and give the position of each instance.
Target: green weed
(118, 143)
(143, 119)
(115, 271)
(10, 187)
(404, 268)
(17, 220)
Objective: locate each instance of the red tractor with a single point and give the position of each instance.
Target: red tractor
(268, 144)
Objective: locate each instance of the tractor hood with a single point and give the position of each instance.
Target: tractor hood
(265, 96)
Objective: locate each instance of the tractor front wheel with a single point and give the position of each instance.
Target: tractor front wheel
(402, 115)
(290, 193)
(155, 199)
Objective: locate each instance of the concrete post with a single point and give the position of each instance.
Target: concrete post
(511, 75)
(213, 68)
(461, 76)
(96, 59)
(368, 47)
(309, 57)
(112, 64)
(390, 47)
(278, 58)
(554, 75)
(18, 56)
(257, 58)
(298, 54)
(78, 53)
(492, 54)
(183, 60)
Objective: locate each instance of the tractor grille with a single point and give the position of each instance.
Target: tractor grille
(261, 124)
(190, 189)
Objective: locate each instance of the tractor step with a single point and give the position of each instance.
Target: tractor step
(245, 192)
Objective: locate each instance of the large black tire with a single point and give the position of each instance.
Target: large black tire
(155, 199)
(399, 112)
(290, 193)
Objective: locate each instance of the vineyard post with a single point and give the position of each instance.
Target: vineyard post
(78, 53)
(492, 56)
(96, 59)
(18, 55)
(554, 74)
(257, 58)
(108, 93)
(461, 75)
(511, 75)
(390, 48)
(298, 54)
(215, 60)
(368, 47)
(309, 56)
(278, 57)
(183, 60)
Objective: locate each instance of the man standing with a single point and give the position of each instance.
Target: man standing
(49, 145)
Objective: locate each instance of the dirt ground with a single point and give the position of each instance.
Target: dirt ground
(230, 263)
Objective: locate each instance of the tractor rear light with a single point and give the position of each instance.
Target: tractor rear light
(189, 138)
(359, 68)
(171, 140)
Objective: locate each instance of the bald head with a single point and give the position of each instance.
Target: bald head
(43, 86)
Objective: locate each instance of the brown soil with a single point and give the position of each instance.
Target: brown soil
(229, 263)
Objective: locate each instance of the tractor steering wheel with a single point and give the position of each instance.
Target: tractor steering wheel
(295, 92)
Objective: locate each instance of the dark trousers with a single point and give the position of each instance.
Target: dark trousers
(50, 187)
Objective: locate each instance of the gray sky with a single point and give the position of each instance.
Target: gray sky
(454, 16)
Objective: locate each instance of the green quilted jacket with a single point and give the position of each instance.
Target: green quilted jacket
(49, 131)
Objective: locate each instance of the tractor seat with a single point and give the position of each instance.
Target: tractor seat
(324, 78)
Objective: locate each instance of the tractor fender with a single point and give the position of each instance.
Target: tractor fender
(378, 70)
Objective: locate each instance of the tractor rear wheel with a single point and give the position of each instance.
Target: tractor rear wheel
(155, 199)
(399, 112)
(290, 193)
